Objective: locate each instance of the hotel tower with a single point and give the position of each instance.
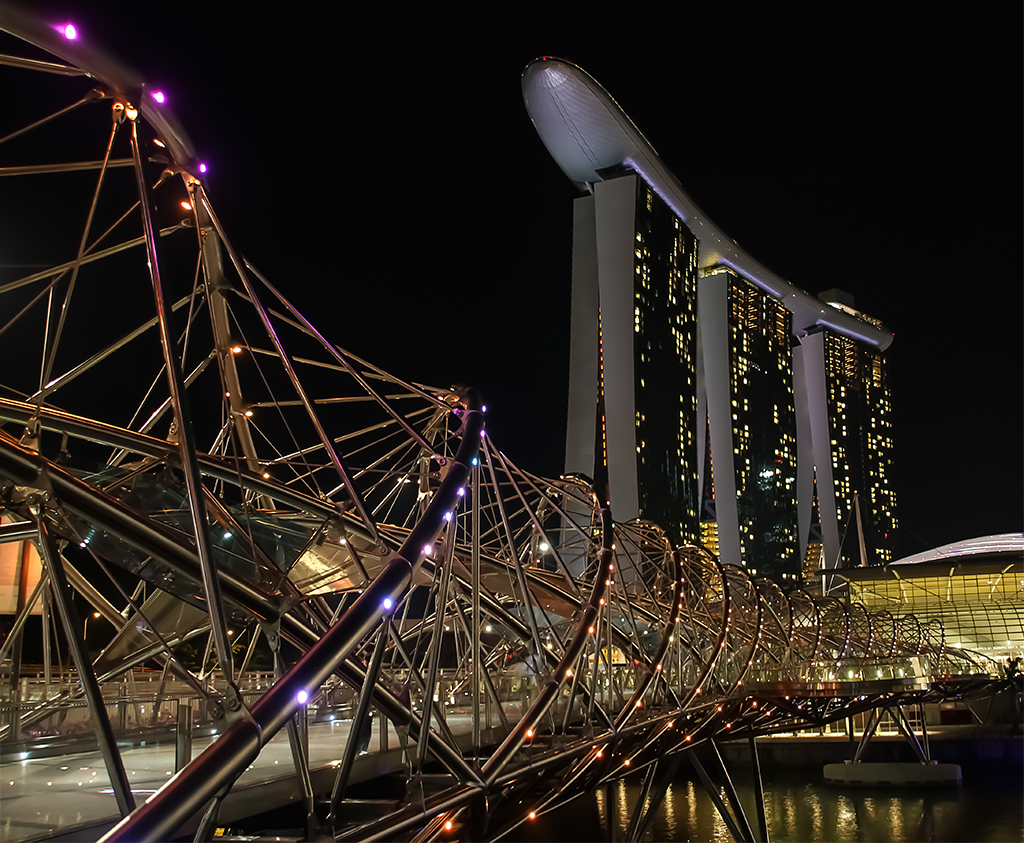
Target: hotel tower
(706, 393)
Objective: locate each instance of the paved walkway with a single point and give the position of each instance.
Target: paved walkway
(45, 796)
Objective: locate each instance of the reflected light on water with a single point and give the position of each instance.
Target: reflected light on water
(602, 809)
(846, 819)
(789, 811)
(817, 817)
(799, 809)
(622, 810)
(670, 812)
(720, 831)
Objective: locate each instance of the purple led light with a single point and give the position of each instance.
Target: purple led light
(69, 31)
(202, 168)
(159, 96)
(428, 549)
(387, 604)
(301, 697)
(447, 516)
(462, 492)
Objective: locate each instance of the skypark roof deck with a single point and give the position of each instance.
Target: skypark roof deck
(590, 136)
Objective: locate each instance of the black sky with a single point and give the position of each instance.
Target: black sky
(382, 170)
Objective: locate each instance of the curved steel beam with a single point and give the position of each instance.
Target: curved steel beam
(186, 792)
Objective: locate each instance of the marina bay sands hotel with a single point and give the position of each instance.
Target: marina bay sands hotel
(710, 395)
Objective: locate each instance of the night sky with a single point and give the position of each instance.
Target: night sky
(383, 172)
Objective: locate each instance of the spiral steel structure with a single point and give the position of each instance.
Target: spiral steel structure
(174, 432)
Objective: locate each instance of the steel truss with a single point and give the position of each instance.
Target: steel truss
(193, 458)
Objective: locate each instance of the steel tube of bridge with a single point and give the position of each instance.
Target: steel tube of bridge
(51, 355)
(755, 761)
(325, 440)
(187, 791)
(641, 801)
(343, 361)
(475, 637)
(105, 434)
(97, 507)
(19, 621)
(667, 775)
(356, 728)
(186, 436)
(496, 763)
(430, 689)
(712, 791)
(94, 697)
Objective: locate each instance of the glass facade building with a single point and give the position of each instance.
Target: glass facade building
(974, 588)
(665, 352)
(861, 446)
(632, 427)
(751, 428)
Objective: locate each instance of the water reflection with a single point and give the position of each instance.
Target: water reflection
(986, 808)
(669, 810)
(624, 802)
(846, 819)
(817, 818)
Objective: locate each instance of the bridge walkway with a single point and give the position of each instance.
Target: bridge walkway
(59, 796)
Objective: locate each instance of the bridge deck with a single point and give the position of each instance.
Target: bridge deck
(53, 797)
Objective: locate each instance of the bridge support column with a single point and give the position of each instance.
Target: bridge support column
(662, 781)
(904, 725)
(730, 792)
(924, 732)
(755, 762)
(478, 816)
(298, 740)
(740, 832)
(183, 736)
(638, 809)
(359, 728)
(869, 730)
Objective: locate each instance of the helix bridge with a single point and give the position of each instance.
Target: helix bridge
(189, 455)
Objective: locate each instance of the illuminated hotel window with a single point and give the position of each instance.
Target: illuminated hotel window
(664, 351)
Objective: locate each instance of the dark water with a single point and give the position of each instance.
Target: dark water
(988, 806)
